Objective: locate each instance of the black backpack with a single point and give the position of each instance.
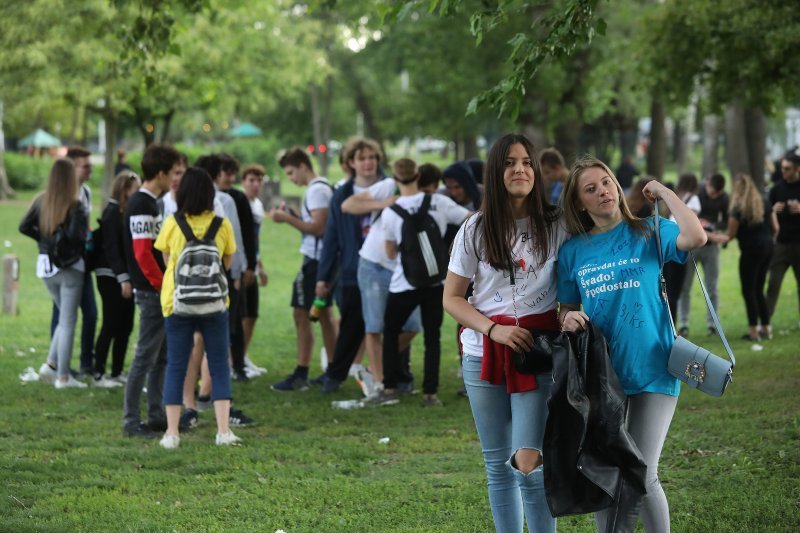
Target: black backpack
(67, 245)
(423, 252)
(201, 287)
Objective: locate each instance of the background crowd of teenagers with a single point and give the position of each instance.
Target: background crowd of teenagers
(351, 243)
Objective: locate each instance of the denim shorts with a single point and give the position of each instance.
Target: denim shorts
(373, 283)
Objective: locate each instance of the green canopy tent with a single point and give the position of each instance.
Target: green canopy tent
(39, 139)
(245, 129)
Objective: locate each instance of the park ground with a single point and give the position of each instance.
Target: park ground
(729, 464)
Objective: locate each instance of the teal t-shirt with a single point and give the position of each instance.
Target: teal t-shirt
(615, 276)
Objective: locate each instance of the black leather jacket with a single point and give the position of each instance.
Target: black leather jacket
(590, 459)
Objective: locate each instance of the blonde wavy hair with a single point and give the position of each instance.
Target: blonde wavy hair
(746, 199)
(578, 221)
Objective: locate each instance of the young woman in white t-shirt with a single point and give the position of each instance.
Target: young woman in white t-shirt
(516, 230)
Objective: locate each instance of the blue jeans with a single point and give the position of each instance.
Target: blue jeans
(66, 288)
(373, 282)
(88, 326)
(180, 340)
(506, 423)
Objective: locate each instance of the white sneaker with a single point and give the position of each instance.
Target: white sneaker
(228, 439)
(355, 368)
(70, 383)
(47, 374)
(250, 365)
(122, 378)
(366, 382)
(106, 382)
(323, 359)
(170, 442)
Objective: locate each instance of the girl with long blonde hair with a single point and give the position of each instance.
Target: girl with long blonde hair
(57, 221)
(608, 273)
(753, 223)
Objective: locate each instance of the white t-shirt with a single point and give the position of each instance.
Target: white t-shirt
(317, 196)
(258, 210)
(535, 288)
(171, 206)
(374, 247)
(692, 202)
(443, 210)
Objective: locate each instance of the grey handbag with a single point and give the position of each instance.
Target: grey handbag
(692, 364)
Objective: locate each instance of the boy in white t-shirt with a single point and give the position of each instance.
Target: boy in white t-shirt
(311, 223)
(403, 297)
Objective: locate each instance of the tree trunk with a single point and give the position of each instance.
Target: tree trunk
(112, 122)
(756, 134)
(628, 137)
(657, 149)
(167, 120)
(710, 145)
(736, 153)
(5, 187)
(327, 106)
(371, 128)
(681, 145)
(566, 134)
(470, 147)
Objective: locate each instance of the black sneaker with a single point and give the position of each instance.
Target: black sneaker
(330, 384)
(711, 331)
(240, 376)
(683, 332)
(189, 420)
(319, 380)
(291, 383)
(140, 430)
(158, 424)
(406, 388)
(238, 418)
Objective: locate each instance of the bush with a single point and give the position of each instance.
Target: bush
(27, 173)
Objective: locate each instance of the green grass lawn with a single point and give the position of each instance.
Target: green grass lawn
(729, 464)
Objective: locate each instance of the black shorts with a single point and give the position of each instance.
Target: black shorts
(249, 301)
(304, 286)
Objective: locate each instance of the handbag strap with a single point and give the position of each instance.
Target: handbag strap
(663, 287)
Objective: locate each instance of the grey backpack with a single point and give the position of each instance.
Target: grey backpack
(201, 288)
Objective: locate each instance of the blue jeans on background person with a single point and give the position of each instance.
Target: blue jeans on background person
(180, 340)
(88, 325)
(65, 288)
(506, 423)
(373, 282)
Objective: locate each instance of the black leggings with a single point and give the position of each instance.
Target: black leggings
(753, 268)
(117, 326)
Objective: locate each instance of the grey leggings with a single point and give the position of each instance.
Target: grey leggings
(648, 420)
(66, 288)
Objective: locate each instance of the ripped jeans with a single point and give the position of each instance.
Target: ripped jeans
(506, 423)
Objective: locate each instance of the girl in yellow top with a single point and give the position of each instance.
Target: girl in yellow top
(195, 199)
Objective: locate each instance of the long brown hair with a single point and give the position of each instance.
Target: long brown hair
(499, 226)
(578, 221)
(59, 196)
(747, 200)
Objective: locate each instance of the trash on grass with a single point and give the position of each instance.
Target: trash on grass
(347, 405)
(29, 375)
(383, 440)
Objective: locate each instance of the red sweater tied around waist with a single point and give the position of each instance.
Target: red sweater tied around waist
(498, 365)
